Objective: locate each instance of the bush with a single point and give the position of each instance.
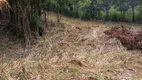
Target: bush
(139, 18)
(115, 16)
(84, 15)
(67, 12)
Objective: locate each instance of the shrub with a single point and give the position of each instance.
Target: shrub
(115, 16)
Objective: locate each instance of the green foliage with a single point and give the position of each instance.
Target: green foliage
(122, 5)
(139, 16)
(84, 15)
(36, 20)
(115, 16)
(98, 9)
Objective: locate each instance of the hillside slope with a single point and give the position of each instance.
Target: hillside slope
(72, 50)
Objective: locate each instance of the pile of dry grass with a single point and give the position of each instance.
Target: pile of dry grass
(130, 39)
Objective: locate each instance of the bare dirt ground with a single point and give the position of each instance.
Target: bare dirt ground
(72, 50)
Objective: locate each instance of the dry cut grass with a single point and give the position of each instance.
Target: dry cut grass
(73, 50)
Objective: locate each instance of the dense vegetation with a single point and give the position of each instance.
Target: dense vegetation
(112, 10)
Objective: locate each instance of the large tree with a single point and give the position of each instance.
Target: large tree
(107, 5)
(76, 8)
(26, 18)
(122, 6)
(133, 4)
(94, 9)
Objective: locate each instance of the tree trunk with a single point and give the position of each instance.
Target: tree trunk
(75, 8)
(26, 27)
(58, 15)
(107, 14)
(121, 16)
(39, 9)
(45, 18)
(133, 14)
(124, 16)
(14, 17)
